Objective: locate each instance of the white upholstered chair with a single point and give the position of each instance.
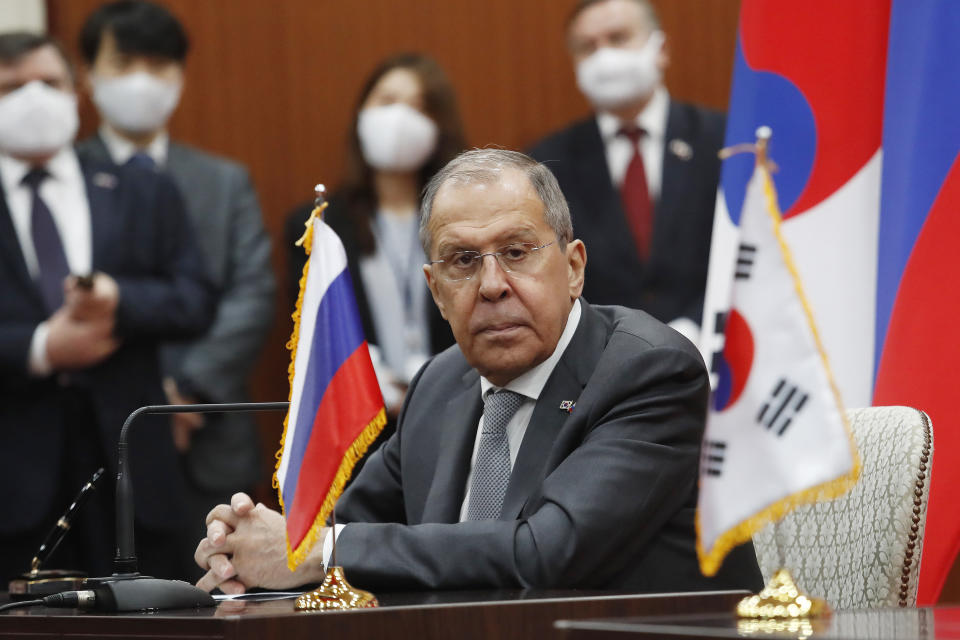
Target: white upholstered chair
(863, 549)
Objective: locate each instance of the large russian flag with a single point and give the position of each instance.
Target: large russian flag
(918, 275)
(862, 97)
(336, 410)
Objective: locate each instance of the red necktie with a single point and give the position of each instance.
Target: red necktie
(636, 197)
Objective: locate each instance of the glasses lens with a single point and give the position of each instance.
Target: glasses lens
(521, 257)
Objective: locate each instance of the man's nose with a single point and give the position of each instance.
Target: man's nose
(493, 279)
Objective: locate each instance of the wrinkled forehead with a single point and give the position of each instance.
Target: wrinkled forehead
(610, 16)
(484, 206)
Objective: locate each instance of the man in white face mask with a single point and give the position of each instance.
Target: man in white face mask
(641, 173)
(97, 266)
(135, 53)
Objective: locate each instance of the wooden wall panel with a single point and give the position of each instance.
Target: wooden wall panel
(272, 84)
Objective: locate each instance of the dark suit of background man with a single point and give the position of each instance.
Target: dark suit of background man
(136, 53)
(648, 216)
(555, 445)
(74, 362)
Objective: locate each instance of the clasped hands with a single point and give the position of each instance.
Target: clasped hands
(246, 546)
(80, 333)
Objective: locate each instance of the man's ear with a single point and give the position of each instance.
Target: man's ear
(576, 263)
(432, 284)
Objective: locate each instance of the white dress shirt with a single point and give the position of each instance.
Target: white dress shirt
(65, 194)
(121, 149)
(653, 120)
(529, 385)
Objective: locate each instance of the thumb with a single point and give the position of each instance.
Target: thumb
(241, 504)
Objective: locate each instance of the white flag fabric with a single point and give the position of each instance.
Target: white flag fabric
(776, 433)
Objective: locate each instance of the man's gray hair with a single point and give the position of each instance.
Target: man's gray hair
(487, 166)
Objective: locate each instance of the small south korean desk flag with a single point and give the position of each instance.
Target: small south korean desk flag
(776, 432)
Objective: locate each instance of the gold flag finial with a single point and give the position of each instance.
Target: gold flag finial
(319, 204)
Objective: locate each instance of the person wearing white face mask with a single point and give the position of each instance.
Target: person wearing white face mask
(640, 174)
(135, 52)
(405, 127)
(97, 266)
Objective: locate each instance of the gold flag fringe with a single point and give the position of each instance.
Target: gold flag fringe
(712, 559)
(356, 450)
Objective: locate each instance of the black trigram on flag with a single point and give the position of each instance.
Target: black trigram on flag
(719, 326)
(746, 255)
(711, 457)
(783, 405)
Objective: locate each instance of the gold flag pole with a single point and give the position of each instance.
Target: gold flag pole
(335, 594)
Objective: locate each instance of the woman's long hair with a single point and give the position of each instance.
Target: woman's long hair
(440, 105)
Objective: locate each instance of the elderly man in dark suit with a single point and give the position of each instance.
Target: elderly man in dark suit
(556, 445)
(641, 173)
(136, 53)
(78, 353)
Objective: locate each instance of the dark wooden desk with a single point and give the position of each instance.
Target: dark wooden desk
(499, 614)
(902, 624)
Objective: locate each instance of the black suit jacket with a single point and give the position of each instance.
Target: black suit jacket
(142, 238)
(600, 497)
(337, 216)
(671, 283)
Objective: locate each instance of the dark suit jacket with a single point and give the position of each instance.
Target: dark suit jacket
(142, 238)
(601, 497)
(671, 283)
(337, 216)
(222, 204)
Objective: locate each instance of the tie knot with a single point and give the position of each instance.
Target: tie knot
(498, 408)
(141, 160)
(35, 177)
(634, 134)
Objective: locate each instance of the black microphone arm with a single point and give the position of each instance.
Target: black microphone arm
(126, 589)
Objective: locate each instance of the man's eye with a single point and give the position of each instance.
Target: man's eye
(515, 253)
(461, 259)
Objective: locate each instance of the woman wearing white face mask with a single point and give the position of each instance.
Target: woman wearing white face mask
(405, 127)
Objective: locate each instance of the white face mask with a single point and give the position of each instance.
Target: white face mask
(37, 120)
(135, 102)
(612, 78)
(396, 137)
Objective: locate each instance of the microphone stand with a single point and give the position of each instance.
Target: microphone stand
(126, 589)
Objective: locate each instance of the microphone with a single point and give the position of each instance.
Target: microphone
(126, 589)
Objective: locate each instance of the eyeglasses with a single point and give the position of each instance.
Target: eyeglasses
(521, 257)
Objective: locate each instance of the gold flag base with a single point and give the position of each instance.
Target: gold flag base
(335, 594)
(781, 598)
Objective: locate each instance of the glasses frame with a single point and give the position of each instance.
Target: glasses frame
(478, 259)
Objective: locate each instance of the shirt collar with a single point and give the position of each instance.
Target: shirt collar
(653, 118)
(531, 383)
(63, 166)
(121, 149)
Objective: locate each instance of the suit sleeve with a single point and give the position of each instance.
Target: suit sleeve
(227, 351)
(632, 469)
(171, 297)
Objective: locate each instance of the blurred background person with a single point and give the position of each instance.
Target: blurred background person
(76, 358)
(641, 172)
(405, 127)
(135, 54)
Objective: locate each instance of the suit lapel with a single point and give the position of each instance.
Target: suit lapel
(460, 418)
(600, 201)
(678, 179)
(565, 383)
(102, 184)
(11, 252)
